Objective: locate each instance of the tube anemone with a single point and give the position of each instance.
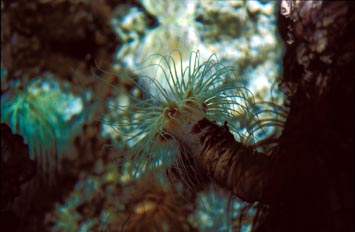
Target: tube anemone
(177, 97)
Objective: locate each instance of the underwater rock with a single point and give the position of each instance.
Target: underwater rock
(16, 169)
(242, 34)
(37, 38)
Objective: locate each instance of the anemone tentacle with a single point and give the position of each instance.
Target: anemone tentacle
(210, 86)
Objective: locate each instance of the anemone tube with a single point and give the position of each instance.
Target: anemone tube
(232, 165)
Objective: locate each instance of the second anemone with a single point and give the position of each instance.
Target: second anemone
(32, 109)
